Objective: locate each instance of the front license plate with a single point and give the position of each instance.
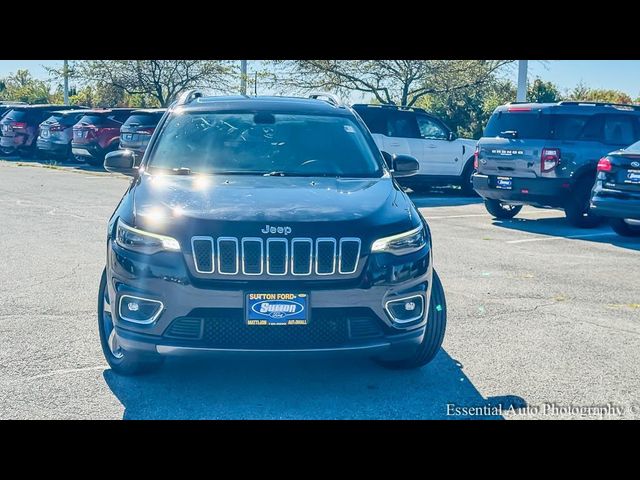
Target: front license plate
(277, 308)
(504, 183)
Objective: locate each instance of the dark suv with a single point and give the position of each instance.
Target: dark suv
(266, 224)
(546, 155)
(136, 132)
(56, 132)
(98, 133)
(616, 194)
(19, 127)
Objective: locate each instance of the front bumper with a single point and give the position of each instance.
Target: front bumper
(541, 192)
(209, 317)
(615, 203)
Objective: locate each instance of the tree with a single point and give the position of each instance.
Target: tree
(581, 92)
(543, 92)
(467, 111)
(161, 80)
(398, 82)
(21, 86)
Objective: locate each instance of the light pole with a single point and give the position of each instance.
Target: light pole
(243, 77)
(522, 80)
(65, 74)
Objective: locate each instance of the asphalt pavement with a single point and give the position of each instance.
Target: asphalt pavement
(543, 321)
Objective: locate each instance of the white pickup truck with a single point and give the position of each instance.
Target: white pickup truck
(444, 159)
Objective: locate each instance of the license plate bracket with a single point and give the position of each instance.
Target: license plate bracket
(276, 308)
(504, 183)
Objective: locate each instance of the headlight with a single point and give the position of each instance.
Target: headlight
(143, 242)
(402, 243)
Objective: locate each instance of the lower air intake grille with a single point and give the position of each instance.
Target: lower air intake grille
(186, 328)
(226, 328)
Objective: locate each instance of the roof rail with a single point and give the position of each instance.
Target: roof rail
(599, 104)
(328, 97)
(188, 96)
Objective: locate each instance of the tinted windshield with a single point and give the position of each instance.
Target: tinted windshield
(92, 119)
(248, 143)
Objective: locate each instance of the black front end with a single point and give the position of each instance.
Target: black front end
(281, 264)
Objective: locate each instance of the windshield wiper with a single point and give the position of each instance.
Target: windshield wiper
(509, 133)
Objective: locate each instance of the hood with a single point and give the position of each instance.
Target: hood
(237, 204)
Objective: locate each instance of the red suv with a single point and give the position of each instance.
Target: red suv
(19, 127)
(98, 133)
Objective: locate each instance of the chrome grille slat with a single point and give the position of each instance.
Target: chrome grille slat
(249, 258)
(276, 256)
(203, 254)
(299, 260)
(225, 257)
(325, 256)
(274, 260)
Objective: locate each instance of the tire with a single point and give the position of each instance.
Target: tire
(577, 206)
(623, 228)
(434, 333)
(121, 361)
(501, 210)
(466, 183)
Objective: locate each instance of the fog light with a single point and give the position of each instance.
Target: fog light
(138, 309)
(133, 306)
(405, 310)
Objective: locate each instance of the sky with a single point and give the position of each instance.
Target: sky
(612, 74)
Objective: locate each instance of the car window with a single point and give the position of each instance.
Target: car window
(143, 119)
(259, 143)
(567, 127)
(16, 115)
(402, 124)
(619, 130)
(430, 128)
(92, 119)
(375, 119)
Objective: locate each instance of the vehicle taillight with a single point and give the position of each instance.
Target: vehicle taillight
(604, 165)
(56, 127)
(476, 156)
(549, 159)
(16, 125)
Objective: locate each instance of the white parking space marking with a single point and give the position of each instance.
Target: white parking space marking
(545, 239)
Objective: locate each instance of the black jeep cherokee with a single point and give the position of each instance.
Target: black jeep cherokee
(266, 224)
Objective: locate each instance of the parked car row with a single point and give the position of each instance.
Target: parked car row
(570, 155)
(579, 156)
(74, 132)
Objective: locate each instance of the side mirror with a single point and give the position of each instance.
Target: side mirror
(121, 161)
(405, 166)
(451, 137)
(388, 159)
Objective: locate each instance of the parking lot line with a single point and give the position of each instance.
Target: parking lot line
(544, 239)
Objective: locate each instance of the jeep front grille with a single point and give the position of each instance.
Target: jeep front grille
(275, 256)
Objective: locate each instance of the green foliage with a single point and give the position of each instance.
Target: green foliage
(466, 111)
(543, 92)
(582, 92)
(21, 86)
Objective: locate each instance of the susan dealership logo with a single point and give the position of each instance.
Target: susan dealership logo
(280, 309)
(281, 230)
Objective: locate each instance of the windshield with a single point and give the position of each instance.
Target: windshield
(264, 143)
